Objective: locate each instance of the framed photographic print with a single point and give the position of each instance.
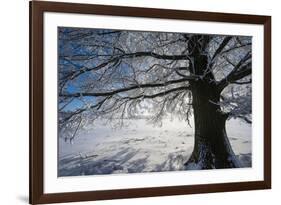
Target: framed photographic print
(138, 102)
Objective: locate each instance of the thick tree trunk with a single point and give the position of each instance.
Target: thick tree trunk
(212, 148)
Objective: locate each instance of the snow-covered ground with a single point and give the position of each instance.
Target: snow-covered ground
(140, 147)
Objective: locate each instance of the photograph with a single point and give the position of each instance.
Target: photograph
(134, 101)
(129, 102)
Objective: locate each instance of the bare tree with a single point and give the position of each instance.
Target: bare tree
(114, 74)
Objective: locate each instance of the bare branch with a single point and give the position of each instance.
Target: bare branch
(242, 83)
(221, 47)
(110, 93)
(238, 72)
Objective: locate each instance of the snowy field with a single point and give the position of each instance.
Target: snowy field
(140, 147)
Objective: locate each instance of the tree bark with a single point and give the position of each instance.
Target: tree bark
(212, 148)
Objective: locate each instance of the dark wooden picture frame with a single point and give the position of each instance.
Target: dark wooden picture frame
(37, 9)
